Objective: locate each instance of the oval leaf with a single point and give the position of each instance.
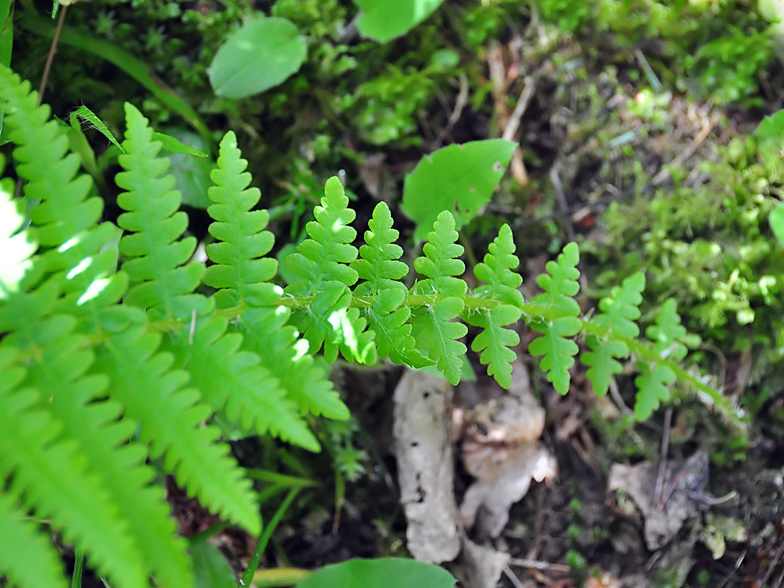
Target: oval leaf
(458, 178)
(258, 56)
(380, 573)
(385, 19)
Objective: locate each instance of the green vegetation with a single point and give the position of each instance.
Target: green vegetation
(155, 263)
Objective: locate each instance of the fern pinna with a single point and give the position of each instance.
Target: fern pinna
(105, 368)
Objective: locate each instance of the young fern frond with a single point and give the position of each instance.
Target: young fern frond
(242, 274)
(161, 283)
(322, 263)
(618, 314)
(433, 326)
(381, 271)
(559, 288)
(501, 284)
(651, 389)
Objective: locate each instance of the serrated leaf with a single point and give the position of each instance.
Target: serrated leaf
(559, 288)
(437, 336)
(383, 20)
(286, 356)
(558, 351)
(561, 284)
(494, 342)
(501, 285)
(459, 179)
(378, 264)
(440, 263)
(261, 54)
(667, 330)
(602, 362)
(240, 270)
(652, 389)
(164, 281)
(619, 311)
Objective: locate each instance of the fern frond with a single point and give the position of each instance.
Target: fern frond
(559, 288)
(241, 271)
(172, 420)
(322, 263)
(651, 384)
(50, 476)
(618, 314)
(162, 283)
(65, 211)
(283, 354)
(501, 285)
(433, 329)
(379, 267)
(20, 544)
(233, 379)
(652, 389)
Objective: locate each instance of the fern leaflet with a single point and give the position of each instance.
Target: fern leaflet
(230, 378)
(49, 475)
(283, 354)
(20, 544)
(433, 329)
(559, 288)
(379, 267)
(651, 384)
(619, 313)
(240, 270)
(163, 284)
(494, 341)
(322, 262)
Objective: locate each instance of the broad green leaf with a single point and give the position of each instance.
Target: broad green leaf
(383, 20)
(210, 568)
(776, 221)
(257, 57)
(380, 573)
(458, 178)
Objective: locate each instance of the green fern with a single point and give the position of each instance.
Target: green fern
(618, 314)
(559, 288)
(107, 372)
(379, 267)
(322, 263)
(654, 376)
(433, 328)
(502, 284)
(162, 283)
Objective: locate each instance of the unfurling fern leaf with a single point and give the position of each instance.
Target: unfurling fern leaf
(501, 284)
(322, 263)
(433, 326)
(618, 314)
(379, 267)
(559, 288)
(652, 383)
